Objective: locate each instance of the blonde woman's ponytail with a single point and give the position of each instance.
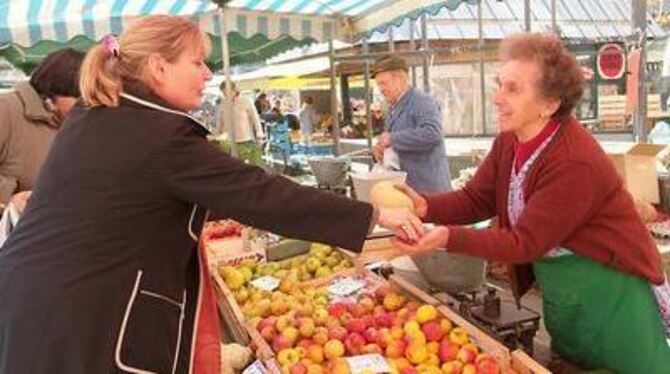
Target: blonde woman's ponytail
(99, 81)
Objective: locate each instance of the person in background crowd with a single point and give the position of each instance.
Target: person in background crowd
(566, 218)
(31, 115)
(262, 103)
(308, 117)
(102, 273)
(246, 126)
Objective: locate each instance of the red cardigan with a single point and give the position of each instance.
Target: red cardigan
(574, 198)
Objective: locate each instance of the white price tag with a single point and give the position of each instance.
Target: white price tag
(256, 367)
(345, 286)
(374, 363)
(266, 283)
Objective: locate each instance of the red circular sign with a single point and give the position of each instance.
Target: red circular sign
(611, 61)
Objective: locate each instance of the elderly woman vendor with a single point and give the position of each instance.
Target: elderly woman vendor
(565, 218)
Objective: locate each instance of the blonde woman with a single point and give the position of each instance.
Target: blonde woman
(102, 274)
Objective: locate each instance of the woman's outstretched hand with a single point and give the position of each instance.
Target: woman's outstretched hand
(431, 240)
(402, 222)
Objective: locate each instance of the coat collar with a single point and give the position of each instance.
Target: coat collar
(142, 95)
(34, 107)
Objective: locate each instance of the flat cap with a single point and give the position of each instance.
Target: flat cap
(389, 63)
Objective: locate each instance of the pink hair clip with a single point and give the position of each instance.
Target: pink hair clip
(111, 45)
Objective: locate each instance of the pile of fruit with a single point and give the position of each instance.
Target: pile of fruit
(311, 334)
(321, 261)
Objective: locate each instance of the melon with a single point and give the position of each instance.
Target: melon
(385, 195)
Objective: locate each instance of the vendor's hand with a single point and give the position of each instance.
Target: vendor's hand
(432, 240)
(20, 199)
(402, 222)
(383, 142)
(419, 202)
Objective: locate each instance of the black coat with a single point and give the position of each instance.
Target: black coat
(101, 274)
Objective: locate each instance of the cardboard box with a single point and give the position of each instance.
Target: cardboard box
(637, 167)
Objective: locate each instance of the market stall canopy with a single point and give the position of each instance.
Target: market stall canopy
(30, 29)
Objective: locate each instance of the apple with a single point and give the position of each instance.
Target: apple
(472, 347)
(466, 355)
(353, 343)
(425, 313)
(384, 319)
(320, 336)
(337, 332)
(428, 369)
(416, 353)
(268, 333)
(432, 330)
(458, 336)
(401, 363)
(333, 349)
(393, 301)
(452, 367)
(469, 369)
(371, 335)
(383, 337)
(367, 304)
(291, 333)
(305, 343)
(288, 357)
(409, 370)
(395, 349)
(411, 326)
(397, 332)
(448, 350)
(314, 369)
(339, 366)
(315, 353)
(298, 368)
(280, 342)
(320, 316)
(357, 310)
(282, 322)
(488, 366)
(264, 322)
(433, 347)
(357, 325)
(337, 309)
(306, 326)
(371, 348)
(278, 307)
(415, 337)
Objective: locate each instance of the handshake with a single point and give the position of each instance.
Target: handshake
(401, 210)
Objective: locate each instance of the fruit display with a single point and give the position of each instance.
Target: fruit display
(320, 262)
(310, 330)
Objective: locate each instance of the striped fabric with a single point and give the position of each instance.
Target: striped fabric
(25, 22)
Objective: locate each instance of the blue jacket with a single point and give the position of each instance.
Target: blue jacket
(415, 125)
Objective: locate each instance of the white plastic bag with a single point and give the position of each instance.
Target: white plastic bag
(10, 216)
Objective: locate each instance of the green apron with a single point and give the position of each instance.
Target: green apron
(619, 329)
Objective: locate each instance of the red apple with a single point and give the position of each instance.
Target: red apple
(371, 335)
(280, 341)
(268, 333)
(337, 309)
(384, 319)
(409, 370)
(298, 368)
(305, 343)
(432, 330)
(337, 332)
(357, 325)
(466, 355)
(396, 349)
(270, 321)
(452, 367)
(371, 348)
(353, 343)
(448, 350)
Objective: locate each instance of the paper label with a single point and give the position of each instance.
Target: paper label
(266, 283)
(345, 286)
(256, 367)
(374, 363)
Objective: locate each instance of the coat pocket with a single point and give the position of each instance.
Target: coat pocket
(150, 333)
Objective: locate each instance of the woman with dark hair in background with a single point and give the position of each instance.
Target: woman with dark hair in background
(30, 117)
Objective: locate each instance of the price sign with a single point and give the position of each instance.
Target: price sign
(374, 363)
(345, 286)
(266, 283)
(256, 367)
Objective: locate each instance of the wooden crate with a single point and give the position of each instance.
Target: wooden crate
(524, 364)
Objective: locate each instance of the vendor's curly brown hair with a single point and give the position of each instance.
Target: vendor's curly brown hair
(561, 76)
